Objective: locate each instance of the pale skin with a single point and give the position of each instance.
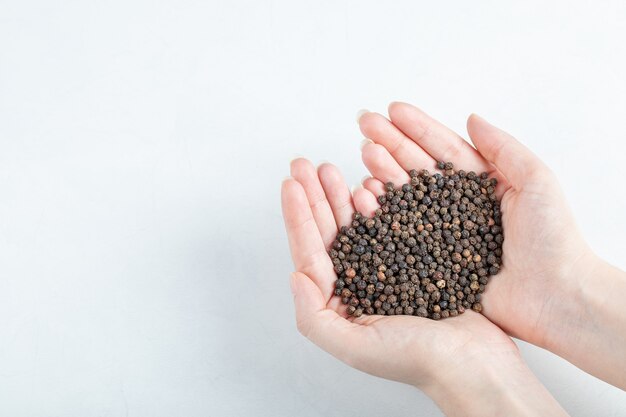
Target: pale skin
(547, 292)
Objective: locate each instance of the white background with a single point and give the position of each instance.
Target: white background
(143, 262)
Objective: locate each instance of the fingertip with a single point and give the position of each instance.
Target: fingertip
(327, 170)
(297, 160)
(371, 151)
(397, 107)
(364, 201)
(286, 185)
(365, 142)
(475, 116)
(374, 186)
(360, 114)
(290, 183)
(326, 166)
(299, 165)
(394, 105)
(292, 195)
(475, 122)
(296, 156)
(379, 129)
(470, 119)
(369, 124)
(284, 182)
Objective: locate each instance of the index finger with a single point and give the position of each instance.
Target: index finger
(307, 248)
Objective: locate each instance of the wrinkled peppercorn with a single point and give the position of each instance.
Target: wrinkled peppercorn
(428, 251)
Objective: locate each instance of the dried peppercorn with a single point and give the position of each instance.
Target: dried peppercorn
(428, 251)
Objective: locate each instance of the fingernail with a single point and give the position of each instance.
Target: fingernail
(292, 283)
(367, 177)
(356, 187)
(288, 177)
(365, 142)
(474, 115)
(324, 162)
(296, 156)
(360, 113)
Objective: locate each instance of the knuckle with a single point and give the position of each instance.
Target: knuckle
(451, 152)
(397, 146)
(540, 173)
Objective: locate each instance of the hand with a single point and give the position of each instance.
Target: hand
(542, 293)
(448, 358)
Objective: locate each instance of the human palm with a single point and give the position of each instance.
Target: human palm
(409, 349)
(541, 246)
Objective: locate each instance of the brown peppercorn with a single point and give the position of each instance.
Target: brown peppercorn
(428, 251)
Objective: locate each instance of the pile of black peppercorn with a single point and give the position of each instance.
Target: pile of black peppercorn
(428, 251)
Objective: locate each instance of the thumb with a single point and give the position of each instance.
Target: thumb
(515, 161)
(321, 325)
(308, 300)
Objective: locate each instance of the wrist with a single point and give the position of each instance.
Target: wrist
(499, 385)
(574, 301)
(565, 312)
(589, 329)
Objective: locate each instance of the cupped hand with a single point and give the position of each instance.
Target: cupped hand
(409, 349)
(542, 251)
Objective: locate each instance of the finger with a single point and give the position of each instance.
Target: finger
(440, 142)
(305, 173)
(337, 193)
(374, 186)
(307, 248)
(364, 201)
(322, 326)
(406, 152)
(515, 161)
(381, 164)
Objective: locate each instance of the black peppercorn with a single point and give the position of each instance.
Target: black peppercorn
(428, 251)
